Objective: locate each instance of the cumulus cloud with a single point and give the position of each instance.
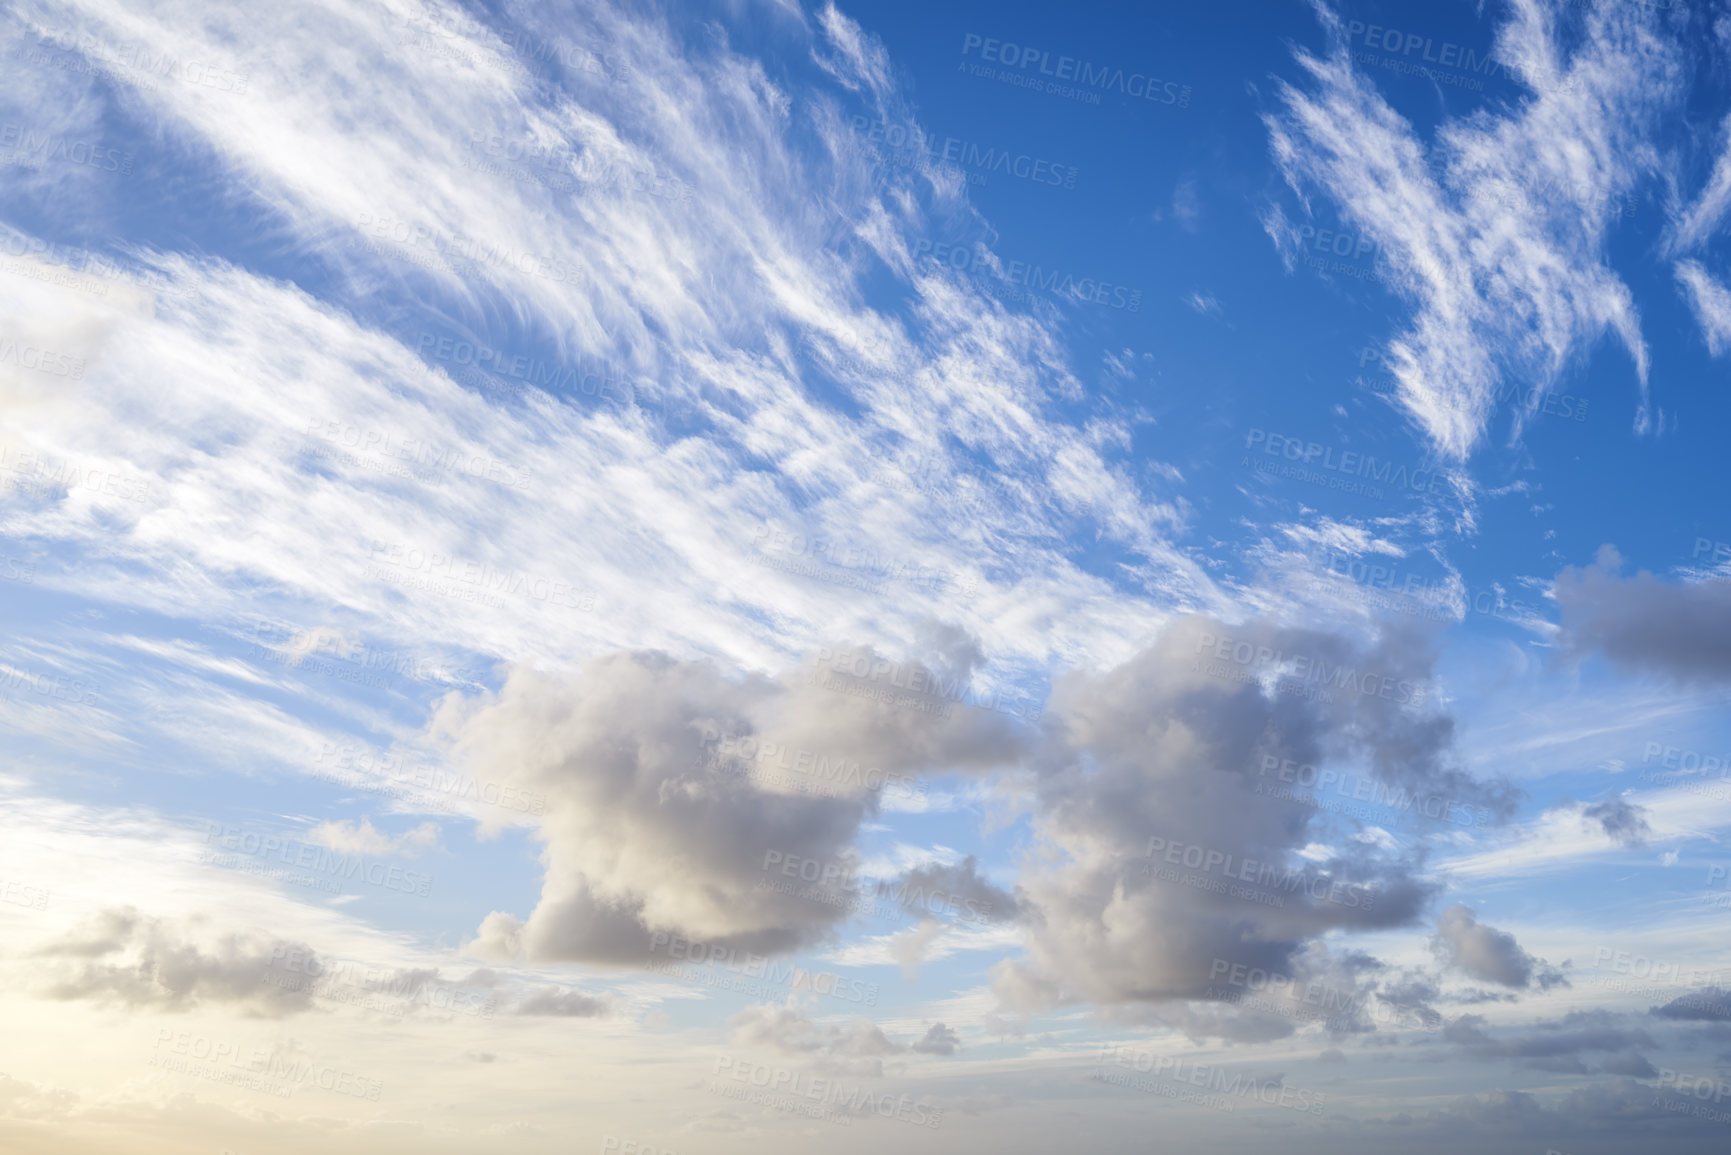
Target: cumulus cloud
(1155, 810)
(1680, 629)
(1623, 821)
(954, 891)
(1485, 953)
(859, 1047)
(1709, 1004)
(1558, 1045)
(363, 838)
(657, 823)
(571, 1004)
(939, 1040)
(911, 947)
(122, 956)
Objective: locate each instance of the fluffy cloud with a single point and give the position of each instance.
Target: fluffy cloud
(939, 1040)
(563, 1003)
(120, 955)
(363, 838)
(1622, 820)
(1709, 1004)
(1488, 954)
(664, 814)
(956, 890)
(1679, 629)
(857, 1048)
(1168, 853)
(1557, 1046)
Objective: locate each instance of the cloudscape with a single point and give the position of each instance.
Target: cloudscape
(752, 576)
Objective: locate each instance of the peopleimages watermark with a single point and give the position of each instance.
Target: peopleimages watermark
(77, 690)
(254, 1069)
(383, 451)
(1019, 275)
(768, 977)
(1680, 767)
(802, 1093)
(1364, 789)
(28, 145)
(429, 248)
(388, 990)
(955, 155)
(858, 673)
(38, 473)
(1339, 242)
(64, 266)
(521, 47)
(38, 359)
(1169, 1076)
(561, 169)
(334, 656)
(135, 63)
(232, 841)
(1071, 78)
(1221, 865)
(1718, 874)
(23, 894)
(1719, 551)
(810, 772)
(1698, 1087)
(591, 377)
(1452, 57)
(1534, 399)
(1404, 590)
(1307, 669)
(388, 774)
(1309, 1000)
(472, 581)
(931, 475)
(835, 884)
(610, 1143)
(1639, 973)
(848, 565)
(1547, 195)
(1345, 468)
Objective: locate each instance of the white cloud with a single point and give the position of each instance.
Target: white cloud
(362, 838)
(1496, 231)
(1711, 302)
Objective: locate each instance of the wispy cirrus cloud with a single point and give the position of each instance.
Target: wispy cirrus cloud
(1503, 280)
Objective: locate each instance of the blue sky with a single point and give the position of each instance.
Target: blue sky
(1123, 568)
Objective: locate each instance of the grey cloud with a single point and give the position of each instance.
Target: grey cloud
(909, 947)
(1622, 820)
(650, 829)
(957, 890)
(1630, 1064)
(121, 955)
(1610, 1116)
(857, 1048)
(939, 1040)
(1552, 1044)
(569, 1004)
(1488, 954)
(1681, 629)
(1161, 747)
(1709, 1004)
